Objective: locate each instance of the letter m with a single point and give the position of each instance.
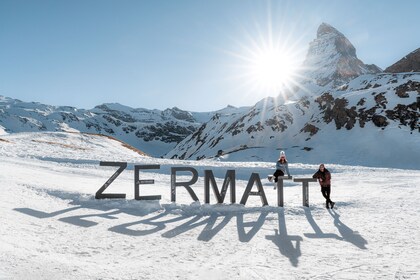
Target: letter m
(229, 180)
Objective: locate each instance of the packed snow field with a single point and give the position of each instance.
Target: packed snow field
(52, 227)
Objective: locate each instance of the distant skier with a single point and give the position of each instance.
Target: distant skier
(282, 167)
(324, 178)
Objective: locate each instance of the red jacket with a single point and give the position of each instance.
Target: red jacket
(324, 178)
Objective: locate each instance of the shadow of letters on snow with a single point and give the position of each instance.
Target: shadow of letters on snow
(192, 217)
(210, 230)
(157, 223)
(285, 241)
(254, 226)
(193, 222)
(43, 215)
(213, 223)
(78, 220)
(211, 227)
(108, 210)
(81, 220)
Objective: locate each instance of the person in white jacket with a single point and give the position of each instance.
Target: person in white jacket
(282, 167)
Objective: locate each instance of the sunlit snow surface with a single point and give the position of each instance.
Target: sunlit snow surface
(53, 228)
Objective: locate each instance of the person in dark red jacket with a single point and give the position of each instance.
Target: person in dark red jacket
(324, 178)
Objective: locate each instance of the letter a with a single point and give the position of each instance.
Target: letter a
(254, 178)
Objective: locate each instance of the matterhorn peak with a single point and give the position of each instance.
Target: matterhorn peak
(342, 45)
(332, 59)
(325, 28)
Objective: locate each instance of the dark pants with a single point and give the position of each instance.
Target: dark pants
(326, 191)
(277, 174)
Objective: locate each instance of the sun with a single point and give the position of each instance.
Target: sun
(272, 69)
(267, 61)
(266, 66)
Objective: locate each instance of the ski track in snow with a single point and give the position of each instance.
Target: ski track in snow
(52, 227)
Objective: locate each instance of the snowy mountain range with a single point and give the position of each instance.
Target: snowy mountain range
(153, 131)
(344, 112)
(373, 119)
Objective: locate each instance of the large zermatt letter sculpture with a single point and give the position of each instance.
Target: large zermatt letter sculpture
(99, 193)
(254, 178)
(229, 179)
(137, 183)
(186, 185)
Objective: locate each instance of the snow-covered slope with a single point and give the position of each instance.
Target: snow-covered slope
(67, 147)
(53, 228)
(372, 120)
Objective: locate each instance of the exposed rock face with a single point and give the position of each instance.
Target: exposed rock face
(310, 128)
(332, 60)
(410, 63)
(402, 90)
(406, 114)
(335, 109)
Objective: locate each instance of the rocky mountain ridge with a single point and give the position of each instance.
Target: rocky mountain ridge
(409, 63)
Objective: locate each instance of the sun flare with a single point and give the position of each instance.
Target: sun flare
(267, 67)
(272, 69)
(267, 60)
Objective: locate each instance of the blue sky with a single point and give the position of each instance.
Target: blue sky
(189, 54)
